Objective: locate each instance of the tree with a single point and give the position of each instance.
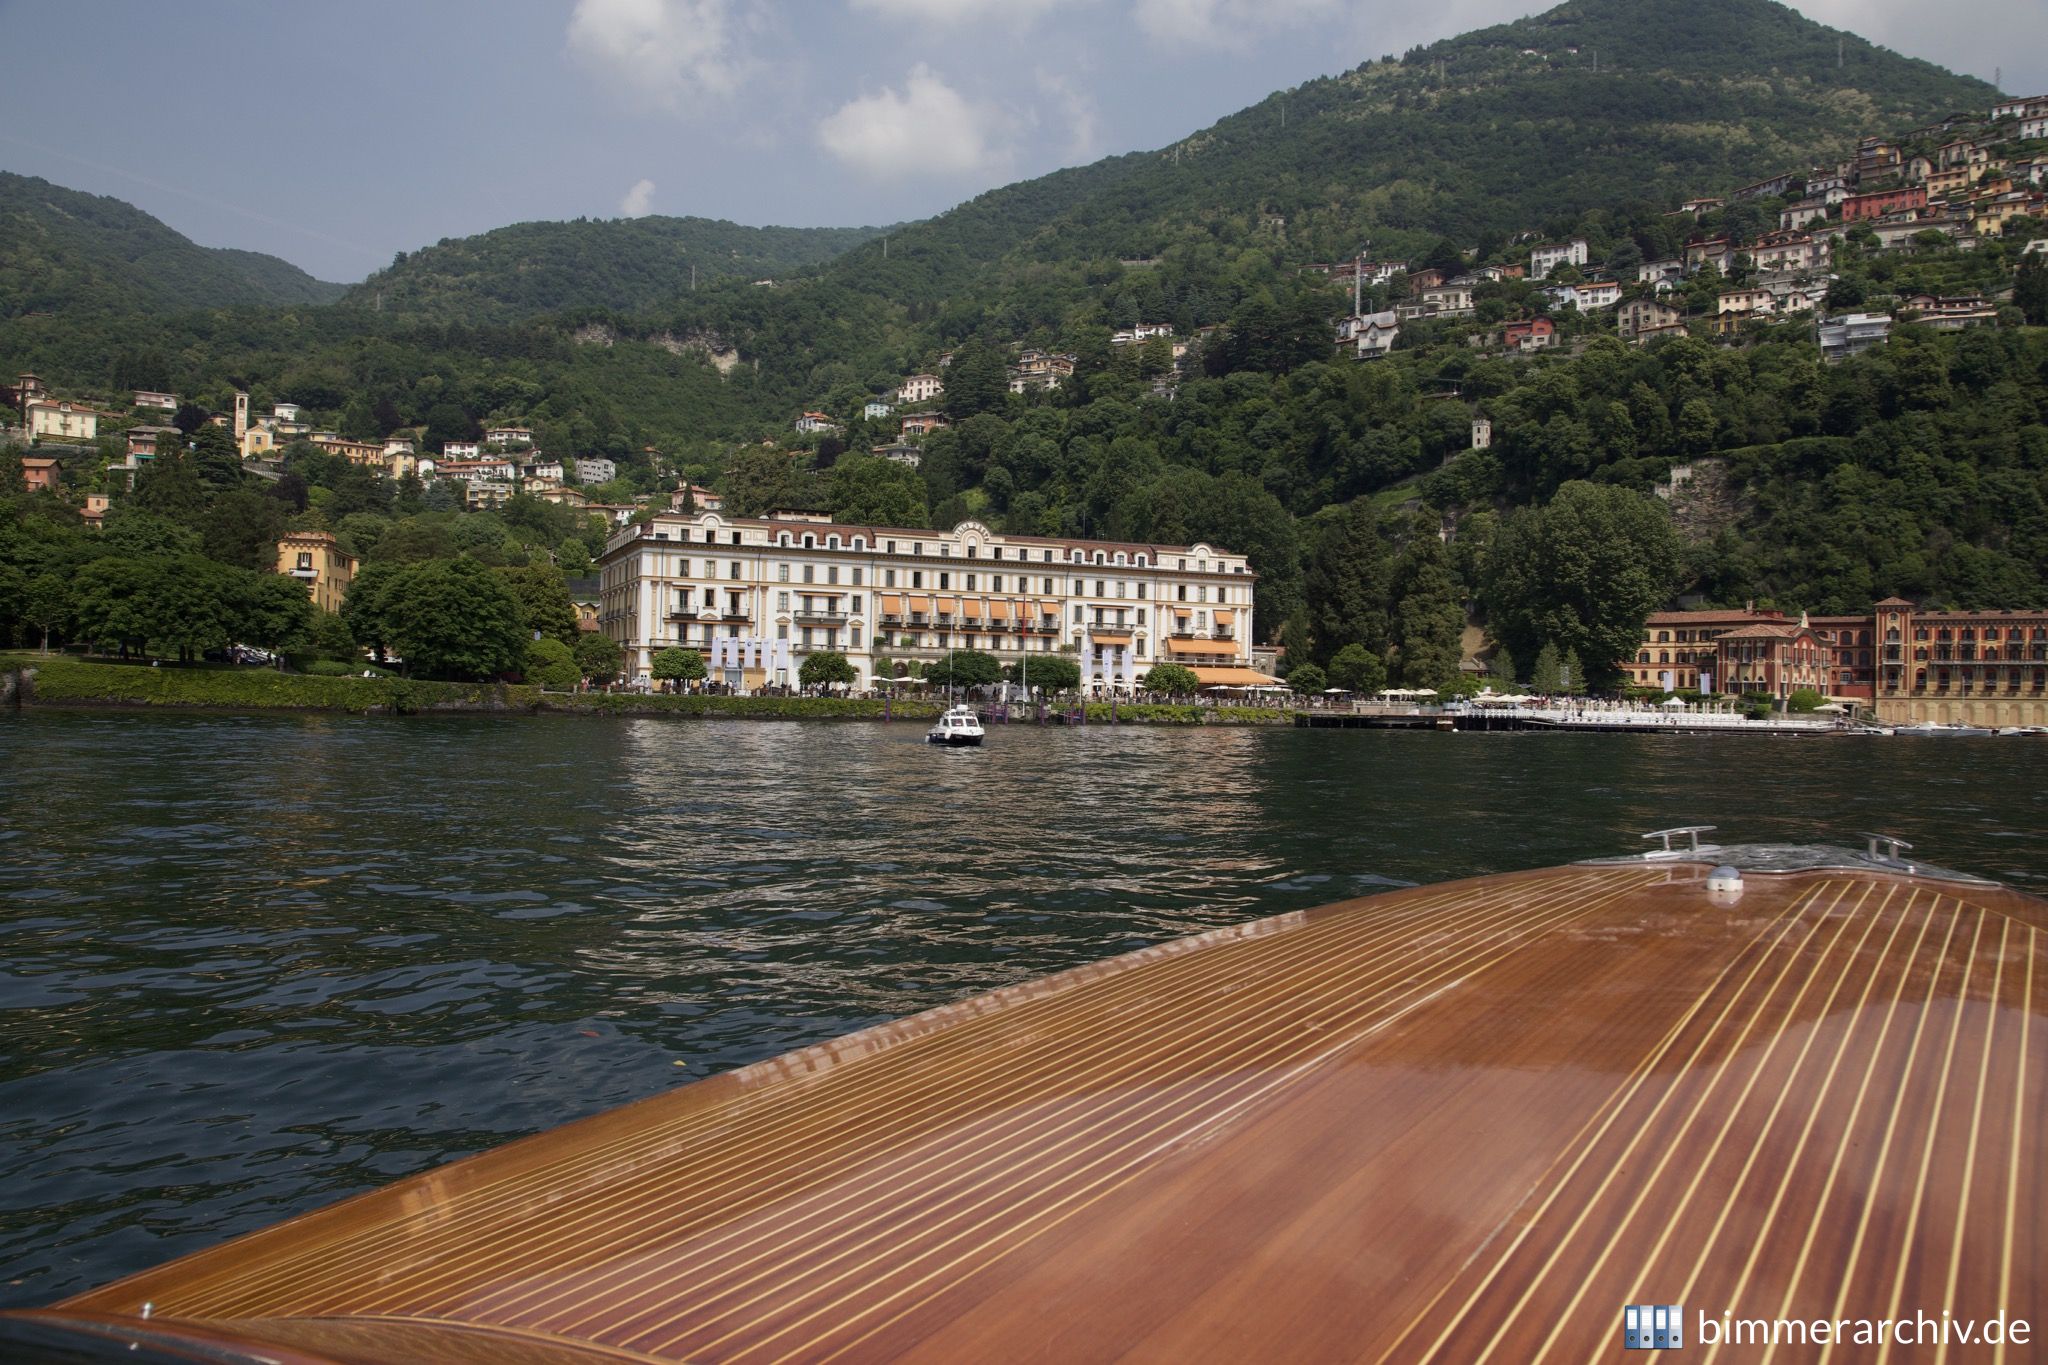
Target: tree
(46, 605)
(827, 668)
(1357, 669)
(2030, 290)
(1428, 616)
(1346, 582)
(1546, 675)
(866, 490)
(676, 664)
(275, 613)
(1501, 670)
(108, 605)
(977, 381)
(966, 668)
(369, 608)
(452, 618)
(1175, 680)
(1307, 679)
(216, 459)
(599, 656)
(1582, 573)
(1048, 673)
(543, 598)
(549, 664)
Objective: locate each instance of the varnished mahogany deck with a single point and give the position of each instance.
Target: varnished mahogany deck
(1463, 1123)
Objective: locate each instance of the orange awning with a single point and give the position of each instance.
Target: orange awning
(1049, 609)
(923, 604)
(1232, 677)
(1110, 637)
(1225, 618)
(998, 611)
(971, 608)
(892, 606)
(1198, 647)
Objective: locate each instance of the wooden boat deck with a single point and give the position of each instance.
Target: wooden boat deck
(1464, 1122)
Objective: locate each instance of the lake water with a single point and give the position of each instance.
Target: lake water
(249, 965)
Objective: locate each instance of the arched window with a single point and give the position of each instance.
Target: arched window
(782, 538)
(831, 542)
(860, 542)
(810, 541)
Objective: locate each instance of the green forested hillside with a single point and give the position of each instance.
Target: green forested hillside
(626, 265)
(63, 251)
(1920, 469)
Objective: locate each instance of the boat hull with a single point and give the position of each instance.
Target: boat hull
(1287, 1139)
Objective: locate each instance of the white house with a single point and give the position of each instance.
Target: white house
(1546, 258)
(877, 408)
(1144, 331)
(1853, 334)
(589, 470)
(508, 436)
(460, 450)
(1370, 335)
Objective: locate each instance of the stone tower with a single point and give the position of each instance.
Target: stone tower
(241, 415)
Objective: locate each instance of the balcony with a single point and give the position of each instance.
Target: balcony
(688, 615)
(806, 617)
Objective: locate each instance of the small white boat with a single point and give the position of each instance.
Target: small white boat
(958, 728)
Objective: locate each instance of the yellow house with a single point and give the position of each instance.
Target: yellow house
(258, 443)
(315, 559)
(65, 421)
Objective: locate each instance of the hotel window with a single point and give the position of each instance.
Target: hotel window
(970, 582)
(995, 552)
(810, 542)
(945, 551)
(1098, 589)
(1180, 592)
(735, 540)
(734, 569)
(810, 574)
(831, 573)
(918, 548)
(1048, 560)
(782, 631)
(305, 559)
(856, 576)
(1141, 591)
(888, 578)
(782, 573)
(995, 582)
(1141, 616)
(973, 553)
(853, 636)
(917, 578)
(892, 547)
(945, 581)
(857, 599)
(782, 601)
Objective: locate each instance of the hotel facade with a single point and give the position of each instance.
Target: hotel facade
(1985, 668)
(789, 584)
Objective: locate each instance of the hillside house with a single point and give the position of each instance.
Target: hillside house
(1876, 159)
(1549, 256)
(1661, 276)
(876, 408)
(461, 450)
(542, 471)
(2029, 107)
(1946, 314)
(1703, 252)
(924, 423)
(1852, 334)
(1861, 207)
(1802, 214)
(508, 436)
(900, 452)
(1448, 301)
(146, 442)
(1530, 334)
(816, 421)
(1735, 307)
(1766, 189)
(1144, 331)
(2034, 128)
(41, 474)
(1370, 335)
(704, 498)
(920, 388)
(1788, 251)
(1586, 297)
(149, 398)
(60, 419)
(1640, 316)
(1696, 207)
(591, 469)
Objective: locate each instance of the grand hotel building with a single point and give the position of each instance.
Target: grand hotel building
(878, 592)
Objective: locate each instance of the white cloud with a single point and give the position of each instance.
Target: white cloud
(1077, 108)
(634, 205)
(1223, 23)
(977, 13)
(928, 129)
(664, 52)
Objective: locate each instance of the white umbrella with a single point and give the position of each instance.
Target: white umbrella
(1425, 692)
(1338, 692)
(1673, 701)
(1831, 707)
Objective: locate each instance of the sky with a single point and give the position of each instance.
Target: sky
(337, 134)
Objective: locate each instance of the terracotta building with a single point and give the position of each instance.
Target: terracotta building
(1967, 667)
